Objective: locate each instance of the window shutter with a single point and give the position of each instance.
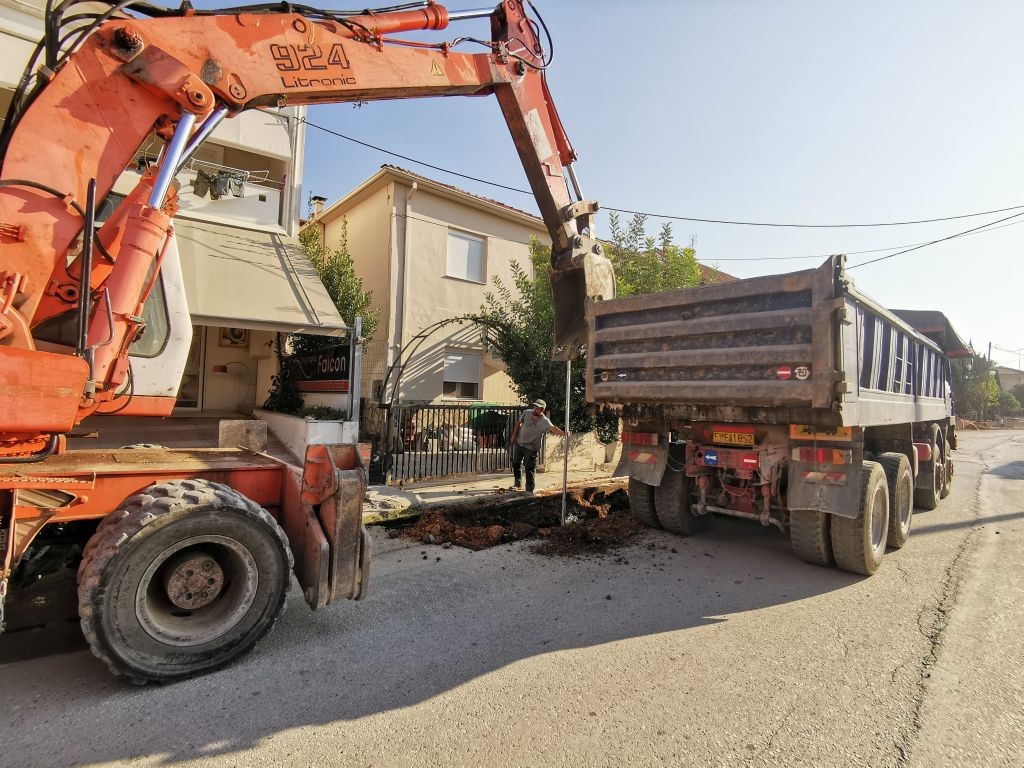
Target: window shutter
(465, 257)
(462, 366)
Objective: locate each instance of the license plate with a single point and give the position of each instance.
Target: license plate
(740, 439)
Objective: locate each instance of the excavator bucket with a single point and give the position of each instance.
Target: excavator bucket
(590, 278)
(323, 517)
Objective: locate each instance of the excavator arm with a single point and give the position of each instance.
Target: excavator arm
(180, 74)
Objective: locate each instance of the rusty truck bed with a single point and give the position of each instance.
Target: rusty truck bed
(724, 347)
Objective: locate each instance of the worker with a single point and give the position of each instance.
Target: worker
(527, 436)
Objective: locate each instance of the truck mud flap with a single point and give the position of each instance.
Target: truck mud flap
(816, 488)
(646, 463)
(322, 516)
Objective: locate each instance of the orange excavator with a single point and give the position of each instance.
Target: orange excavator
(186, 554)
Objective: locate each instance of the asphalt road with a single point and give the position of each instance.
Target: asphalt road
(725, 652)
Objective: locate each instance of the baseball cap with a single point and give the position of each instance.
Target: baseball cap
(539, 404)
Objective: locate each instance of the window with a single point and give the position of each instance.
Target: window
(461, 375)
(156, 329)
(465, 257)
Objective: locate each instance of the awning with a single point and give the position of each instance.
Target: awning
(243, 278)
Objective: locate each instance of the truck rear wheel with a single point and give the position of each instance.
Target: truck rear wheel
(188, 576)
(641, 503)
(809, 536)
(672, 505)
(859, 544)
(928, 498)
(947, 471)
(901, 497)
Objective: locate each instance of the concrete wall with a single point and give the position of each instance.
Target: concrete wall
(1009, 377)
(369, 223)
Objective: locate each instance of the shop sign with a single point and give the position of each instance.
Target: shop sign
(324, 371)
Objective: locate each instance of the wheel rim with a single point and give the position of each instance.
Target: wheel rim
(196, 590)
(878, 519)
(906, 508)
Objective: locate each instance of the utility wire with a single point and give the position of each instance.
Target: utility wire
(733, 222)
(933, 242)
(412, 159)
(859, 253)
(813, 226)
(818, 256)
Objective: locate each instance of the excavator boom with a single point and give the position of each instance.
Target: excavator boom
(179, 74)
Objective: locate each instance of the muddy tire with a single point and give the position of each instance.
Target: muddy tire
(947, 471)
(641, 503)
(184, 578)
(901, 497)
(672, 505)
(810, 537)
(928, 498)
(859, 545)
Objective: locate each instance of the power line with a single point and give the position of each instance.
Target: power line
(412, 159)
(732, 222)
(939, 240)
(859, 253)
(812, 226)
(1009, 351)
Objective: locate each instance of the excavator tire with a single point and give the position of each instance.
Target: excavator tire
(185, 577)
(641, 503)
(901, 497)
(114, 517)
(859, 544)
(672, 505)
(809, 536)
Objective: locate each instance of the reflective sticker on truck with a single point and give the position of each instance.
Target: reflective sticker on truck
(806, 432)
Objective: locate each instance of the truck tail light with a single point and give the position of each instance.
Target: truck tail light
(822, 456)
(640, 438)
(924, 451)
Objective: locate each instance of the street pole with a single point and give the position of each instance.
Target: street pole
(565, 450)
(355, 379)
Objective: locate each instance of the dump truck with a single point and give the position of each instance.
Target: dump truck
(794, 400)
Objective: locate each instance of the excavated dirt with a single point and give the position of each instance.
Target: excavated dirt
(602, 522)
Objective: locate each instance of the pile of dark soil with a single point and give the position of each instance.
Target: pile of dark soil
(602, 522)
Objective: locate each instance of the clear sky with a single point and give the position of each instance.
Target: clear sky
(790, 112)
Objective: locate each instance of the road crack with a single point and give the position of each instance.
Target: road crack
(783, 722)
(932, 622)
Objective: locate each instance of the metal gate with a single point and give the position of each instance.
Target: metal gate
(427, 441)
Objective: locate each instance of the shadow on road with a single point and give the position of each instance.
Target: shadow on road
(1014, 470)
(974, 522)
(433, 622)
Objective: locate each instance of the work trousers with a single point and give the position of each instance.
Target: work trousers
(522, 455)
